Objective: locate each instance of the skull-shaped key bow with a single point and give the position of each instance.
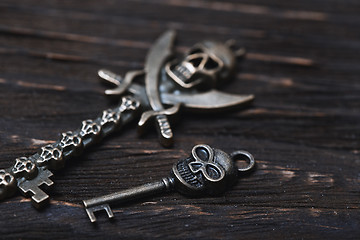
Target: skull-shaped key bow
(207, 171)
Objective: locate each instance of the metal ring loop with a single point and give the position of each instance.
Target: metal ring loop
(250, 159)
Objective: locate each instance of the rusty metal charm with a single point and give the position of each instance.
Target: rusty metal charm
(168, 85)
(207, 171)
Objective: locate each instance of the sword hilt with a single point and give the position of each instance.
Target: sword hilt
(164, 130)
(162, 123)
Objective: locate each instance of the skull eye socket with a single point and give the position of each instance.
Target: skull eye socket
(76, 140)
(56, 153)
(213, 172)
(7, 178)
(196, 61)
(95, 128)
(202, 153)
(28, 166)
(211, 64)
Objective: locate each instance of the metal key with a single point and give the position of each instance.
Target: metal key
(207, 171)
(157, 91)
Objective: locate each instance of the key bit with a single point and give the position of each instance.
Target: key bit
(39, 197)
(207, 171)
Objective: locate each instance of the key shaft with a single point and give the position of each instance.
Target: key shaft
(148, 189)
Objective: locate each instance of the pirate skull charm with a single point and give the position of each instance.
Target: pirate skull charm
(51, 156)
(7, 184)
(24, 167)
(206, 65)
(70, 142)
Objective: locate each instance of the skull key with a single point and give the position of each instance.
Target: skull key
(207, 171)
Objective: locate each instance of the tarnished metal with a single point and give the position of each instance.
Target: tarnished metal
(207, 171)
(31, 174)
(156, 58)
(188, 82)
(159, 90)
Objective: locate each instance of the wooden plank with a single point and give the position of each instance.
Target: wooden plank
(303, 129)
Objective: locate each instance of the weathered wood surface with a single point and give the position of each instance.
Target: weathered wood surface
(303, 65)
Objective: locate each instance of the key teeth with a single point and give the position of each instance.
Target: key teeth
(91, 214)
(39, 198)
(108, 211)
(91, 210)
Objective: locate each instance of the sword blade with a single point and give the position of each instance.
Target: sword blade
(158, 54)
(211, 101)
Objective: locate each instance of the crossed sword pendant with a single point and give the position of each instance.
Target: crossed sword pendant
(169, 84)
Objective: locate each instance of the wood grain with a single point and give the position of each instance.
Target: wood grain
(303, 129)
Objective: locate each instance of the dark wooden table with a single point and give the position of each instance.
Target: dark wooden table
(303, 65)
